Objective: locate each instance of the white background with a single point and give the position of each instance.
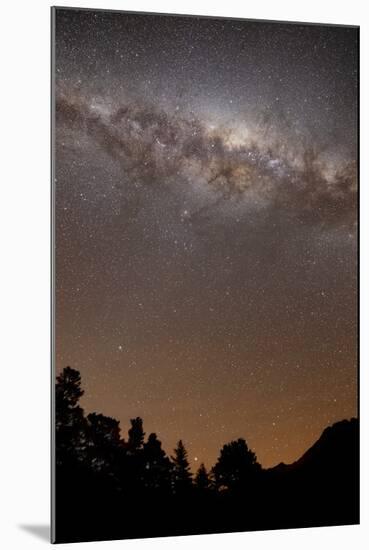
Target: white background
(25, 281)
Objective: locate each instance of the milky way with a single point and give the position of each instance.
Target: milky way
(206, 212)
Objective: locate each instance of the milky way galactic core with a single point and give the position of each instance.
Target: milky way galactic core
(205, 225)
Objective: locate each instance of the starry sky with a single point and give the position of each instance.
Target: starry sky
(205, 226)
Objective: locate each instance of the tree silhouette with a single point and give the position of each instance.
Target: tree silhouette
(68, 389)
(158, 467)
(136, 435)
(236, 466)
(70, 424)
(182, 477)
(104, 433)
(202, 478)
(133, 467)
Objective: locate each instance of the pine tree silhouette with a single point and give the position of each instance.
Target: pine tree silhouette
(182, 477)
(202, 478)
(70, 425)
(104, 433)
(158, 468)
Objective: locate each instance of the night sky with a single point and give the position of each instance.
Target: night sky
(206, 250)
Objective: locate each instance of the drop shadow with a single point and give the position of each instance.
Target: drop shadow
(40, 531)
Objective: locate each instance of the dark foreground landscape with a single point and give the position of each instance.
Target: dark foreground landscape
(111, 488)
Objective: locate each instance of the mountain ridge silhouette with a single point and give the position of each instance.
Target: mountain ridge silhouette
(324, 440)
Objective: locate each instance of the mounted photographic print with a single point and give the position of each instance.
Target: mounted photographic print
(205, 365)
